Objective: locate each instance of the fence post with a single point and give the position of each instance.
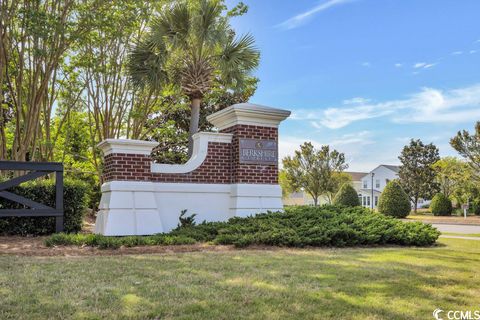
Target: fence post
(59, 200)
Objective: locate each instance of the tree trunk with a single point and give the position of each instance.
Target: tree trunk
(315, 201)
(415, 205)
(194, 119)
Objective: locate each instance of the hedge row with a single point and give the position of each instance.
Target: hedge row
(43, 191)
(104, 242)
(296, 227)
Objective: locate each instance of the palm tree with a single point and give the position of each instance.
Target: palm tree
(192, 46)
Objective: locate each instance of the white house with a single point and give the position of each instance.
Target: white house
(380, 176)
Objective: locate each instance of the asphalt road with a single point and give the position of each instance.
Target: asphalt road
(457, 228)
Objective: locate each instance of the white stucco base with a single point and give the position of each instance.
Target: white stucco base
(143, 208)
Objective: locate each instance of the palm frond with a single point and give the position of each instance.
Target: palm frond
(172, 25)
(238, 58)
(145, 66)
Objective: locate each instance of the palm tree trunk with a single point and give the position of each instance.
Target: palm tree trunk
(194, 119)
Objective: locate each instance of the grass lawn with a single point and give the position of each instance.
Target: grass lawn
(461, 234)
(375, 283)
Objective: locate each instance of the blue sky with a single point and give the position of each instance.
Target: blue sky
(365, 76)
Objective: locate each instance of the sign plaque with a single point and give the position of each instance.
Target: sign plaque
(255, 151)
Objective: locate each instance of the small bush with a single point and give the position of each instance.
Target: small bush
(394, 201)
(441, 205)
(43, 191)
(476, 207)
(346, 196)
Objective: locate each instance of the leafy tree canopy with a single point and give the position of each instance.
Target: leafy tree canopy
(468, 145)
(417, 176)
(312, 170)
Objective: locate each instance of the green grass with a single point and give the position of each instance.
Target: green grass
(358, 283)
(461, 234)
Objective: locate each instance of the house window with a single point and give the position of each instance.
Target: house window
(365, 184)
(420, 201)
(359, 198)
(377, 184)
(364, 201)
(368, 201)
(387, 181)
(376, 201)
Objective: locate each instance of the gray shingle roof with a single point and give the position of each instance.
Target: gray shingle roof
(356, 176)
(393, 168)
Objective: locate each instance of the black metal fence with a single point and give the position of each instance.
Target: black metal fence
(35, 209)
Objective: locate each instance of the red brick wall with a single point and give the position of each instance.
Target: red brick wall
(134, 167)
(251, 173)
(221, 165)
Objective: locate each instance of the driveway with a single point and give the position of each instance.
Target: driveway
(457, 228)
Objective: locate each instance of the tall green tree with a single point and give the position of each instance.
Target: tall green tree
(314, 170)
(192, 47)
(468, 146)
(35, 39)
(416, 174)
(451, 174)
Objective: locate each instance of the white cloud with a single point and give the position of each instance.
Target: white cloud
(356, 100)
(301, 18)
(423, 65)
(429, 105)
(352, 144)
(456, 53)
(472, 51)
(366, 64)
(398, 65)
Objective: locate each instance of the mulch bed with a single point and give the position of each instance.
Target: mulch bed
(34, 246)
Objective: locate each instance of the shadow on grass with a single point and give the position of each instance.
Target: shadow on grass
(380, 283)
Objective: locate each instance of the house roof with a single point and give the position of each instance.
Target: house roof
(391, 167)
(356, 176)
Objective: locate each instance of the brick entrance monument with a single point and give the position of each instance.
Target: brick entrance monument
(232, 172)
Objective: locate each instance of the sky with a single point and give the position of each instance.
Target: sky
(366, 76)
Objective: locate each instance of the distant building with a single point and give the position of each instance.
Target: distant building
(382, 175)
(362, 183)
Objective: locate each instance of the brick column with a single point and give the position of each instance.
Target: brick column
(126, 160)
(251, 122)
(250, 172)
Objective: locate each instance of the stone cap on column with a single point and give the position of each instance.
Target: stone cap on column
(248, 114)
(126, 146)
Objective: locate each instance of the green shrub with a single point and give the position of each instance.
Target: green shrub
(104, 242)
(441, 205)
(332, 226)
(394, 201)
(43, 191)
(346, 196)
(475, 207)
